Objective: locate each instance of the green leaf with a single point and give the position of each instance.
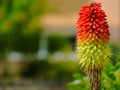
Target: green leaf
(74, 84)
(77, 76)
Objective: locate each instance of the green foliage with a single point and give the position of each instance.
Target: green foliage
(79, 83)
(116, 53)
(20, 24)
(63, 69)
(32, 69)
(44, 69)
(57, 42)
(111, 77)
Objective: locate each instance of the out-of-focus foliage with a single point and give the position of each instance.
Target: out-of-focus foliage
(110, 75)
(116, 53)
(32, 69)
(20, 30)
(20, 26)
(58, 43)
(44, 69)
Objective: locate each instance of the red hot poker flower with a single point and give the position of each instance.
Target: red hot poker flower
(93, 37)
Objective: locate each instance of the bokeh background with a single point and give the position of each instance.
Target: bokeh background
(37, 45)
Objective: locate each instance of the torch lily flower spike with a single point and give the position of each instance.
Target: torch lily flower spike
(93, 37)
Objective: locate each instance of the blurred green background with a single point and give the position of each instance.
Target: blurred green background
(37, 45)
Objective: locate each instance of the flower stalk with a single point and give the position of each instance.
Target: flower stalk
(93, 37)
